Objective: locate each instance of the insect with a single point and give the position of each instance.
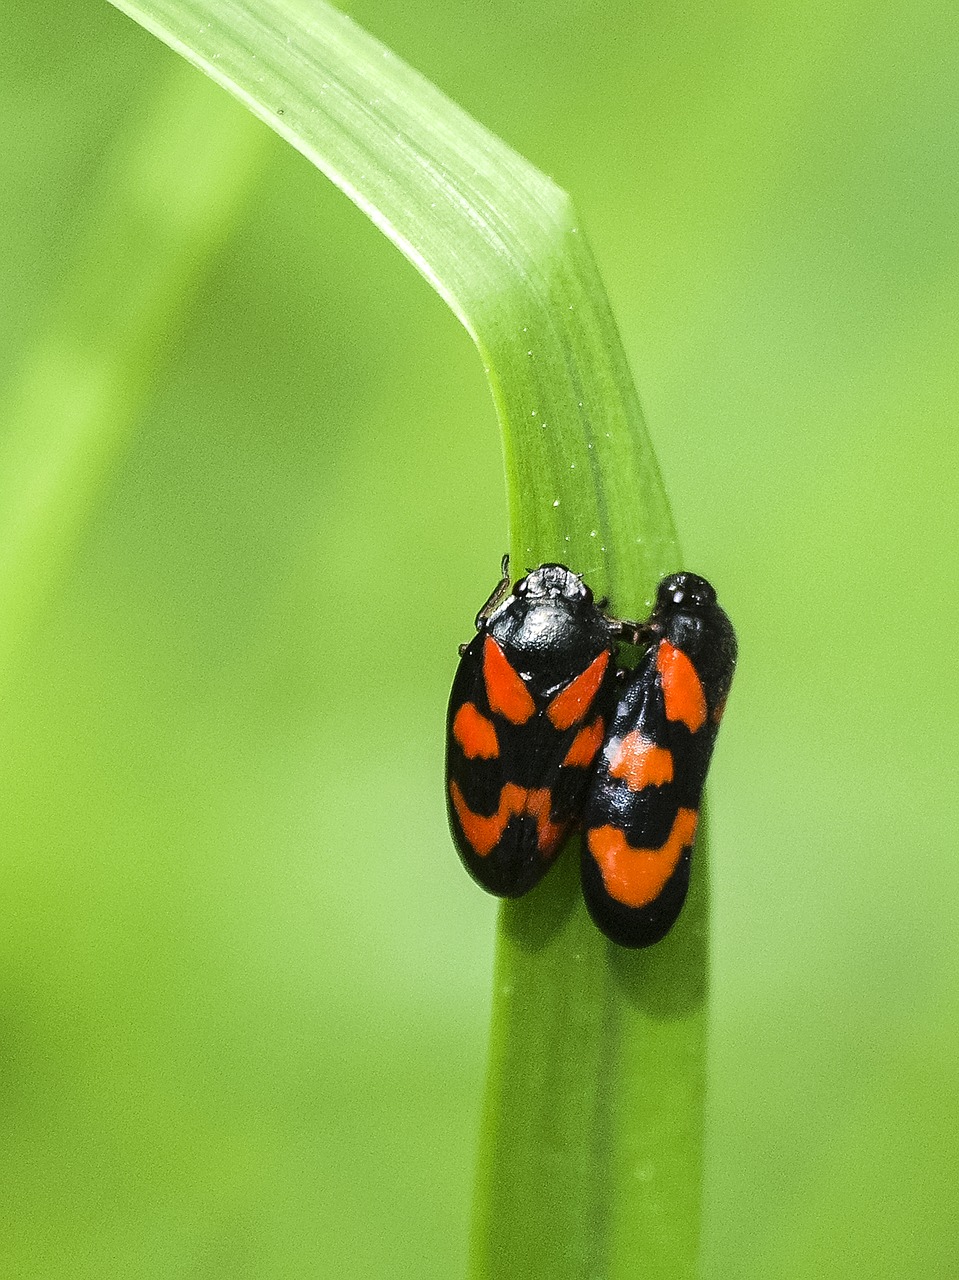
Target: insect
(642, 807)
(527, 717)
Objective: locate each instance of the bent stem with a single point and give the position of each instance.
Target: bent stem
(591, 1144)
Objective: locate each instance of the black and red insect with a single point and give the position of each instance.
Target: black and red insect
(527, 717)
(642, 806)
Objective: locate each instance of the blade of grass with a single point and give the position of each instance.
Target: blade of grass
(591, 1147)
(158, 209)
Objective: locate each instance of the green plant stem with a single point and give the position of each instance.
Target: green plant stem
(596, 1093)
(592, 1140)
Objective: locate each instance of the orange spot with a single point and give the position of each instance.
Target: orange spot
(572, 703)
(475, 734)
(636, 877)
(583, 748)
(484, 834)
(640, 763)
(538, 804)
(505, 690)
(682, 689)
(718, 710)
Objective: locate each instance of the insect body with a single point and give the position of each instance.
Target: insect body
(527, 717)
(643, 803)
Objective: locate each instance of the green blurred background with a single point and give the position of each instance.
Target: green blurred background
(244, 980)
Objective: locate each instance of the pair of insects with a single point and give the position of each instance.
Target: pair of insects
(545, 735)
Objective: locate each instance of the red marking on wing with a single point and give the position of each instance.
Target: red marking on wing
(583, 748)
(475, 734)
(484, 834)
(640, 763)
(505, 691)
(636, 877)
(572, 703)
(682, 688)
